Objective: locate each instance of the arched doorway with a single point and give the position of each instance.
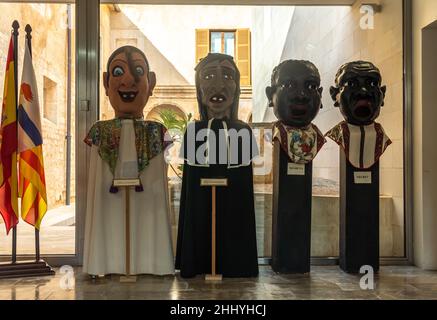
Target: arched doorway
(156, 113)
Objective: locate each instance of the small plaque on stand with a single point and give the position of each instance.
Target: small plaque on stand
(362, 177)
(214, 182)
(295, 169)
(126, 182)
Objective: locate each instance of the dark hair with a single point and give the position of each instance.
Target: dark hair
(210, 58)
(128, 50)
(308, 64)
(355, 66)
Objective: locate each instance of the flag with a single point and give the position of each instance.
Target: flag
(8, 146)
(32, 185)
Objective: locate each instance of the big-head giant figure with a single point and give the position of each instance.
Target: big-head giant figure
(127, 147)
(295, 96)
(218, 146)
(359, 94)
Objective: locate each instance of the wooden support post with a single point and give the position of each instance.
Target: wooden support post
(213, 233)
(213, 183)
(126, 184)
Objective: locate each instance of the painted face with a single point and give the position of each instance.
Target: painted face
(296, 96)
(129, 85)
(359, 94)
(217, 88)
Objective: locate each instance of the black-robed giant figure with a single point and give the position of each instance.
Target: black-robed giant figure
(218, 146)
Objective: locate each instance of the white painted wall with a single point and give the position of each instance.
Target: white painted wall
(171, 29)
(424, 150)
(269, 33)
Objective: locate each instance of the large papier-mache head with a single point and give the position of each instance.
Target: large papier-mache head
(295, 93)
(358, 92)
(218, 87)
(128, 81)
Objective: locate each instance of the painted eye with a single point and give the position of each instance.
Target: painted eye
(373, 83)
(117, 71)
(208, 76)
(288, 85)
(228, 77)
(139, 70)
(313, 86)
(350, 83)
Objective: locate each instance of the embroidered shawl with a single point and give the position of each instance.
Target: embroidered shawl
(150, 140)
(301, 144)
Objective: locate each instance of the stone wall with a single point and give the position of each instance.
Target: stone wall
(49, 48)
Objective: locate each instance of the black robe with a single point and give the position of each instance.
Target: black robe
(236, 252)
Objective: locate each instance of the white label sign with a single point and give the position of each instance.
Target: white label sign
(214, 182)
(295, 169)
(363, 177)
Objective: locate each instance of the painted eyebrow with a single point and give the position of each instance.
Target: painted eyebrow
(228, 68)
(125, 62)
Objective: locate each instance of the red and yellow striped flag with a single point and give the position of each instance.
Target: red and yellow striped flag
(31, 164)
(8, 146)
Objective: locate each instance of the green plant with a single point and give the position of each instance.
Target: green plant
(176, 126)
(174, 122)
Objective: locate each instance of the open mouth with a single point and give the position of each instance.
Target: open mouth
(217, 98)
(363, 109)
(298, 110)
(128, 96)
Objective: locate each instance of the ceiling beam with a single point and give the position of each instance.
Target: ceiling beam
(238, 2)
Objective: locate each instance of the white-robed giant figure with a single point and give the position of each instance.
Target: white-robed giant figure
(122, 148)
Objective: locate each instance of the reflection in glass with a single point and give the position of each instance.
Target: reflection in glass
(216, 42)
(229, 43)
(196, 30)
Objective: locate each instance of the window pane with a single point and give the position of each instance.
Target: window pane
(216, 42)
(230, 43)
(318, 34)
(52, 37)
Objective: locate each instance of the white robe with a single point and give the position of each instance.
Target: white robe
(150, 240)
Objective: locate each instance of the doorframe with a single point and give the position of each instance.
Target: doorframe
(87, 84)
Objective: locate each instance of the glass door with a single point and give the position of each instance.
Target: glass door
(53, 53)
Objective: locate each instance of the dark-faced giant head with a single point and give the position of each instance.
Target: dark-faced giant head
(358, 92)
(128, 81)
(218, 87)
(295, 93)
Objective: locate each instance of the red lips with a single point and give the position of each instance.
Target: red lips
(298, 110)
(363, 108)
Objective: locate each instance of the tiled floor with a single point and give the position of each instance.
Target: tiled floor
(322, 283)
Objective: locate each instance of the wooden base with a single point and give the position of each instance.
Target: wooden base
(128, 279)
(213, 277)
(25, 269)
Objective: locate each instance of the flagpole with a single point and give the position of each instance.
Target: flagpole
(28, 30)
(23, 268)
(15, 27)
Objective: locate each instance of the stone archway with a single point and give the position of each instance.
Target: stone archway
(154, 113)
